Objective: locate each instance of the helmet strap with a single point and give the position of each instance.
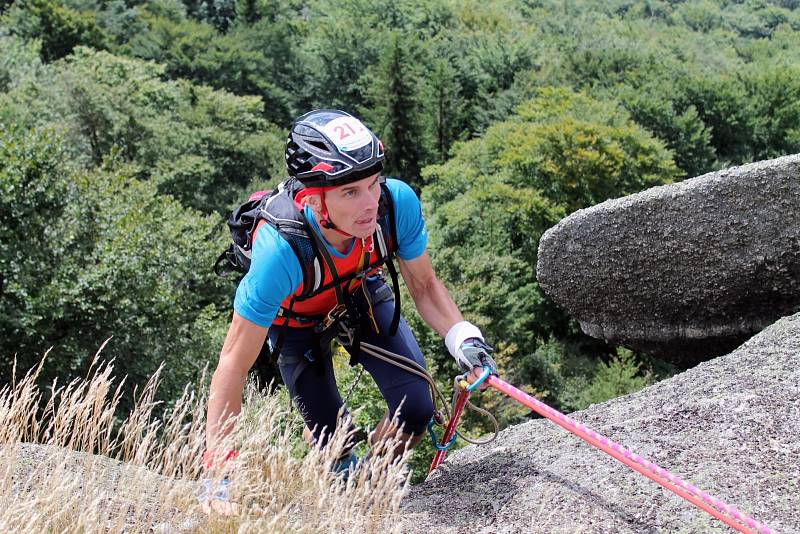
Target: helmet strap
(326, 221)
(325, 218)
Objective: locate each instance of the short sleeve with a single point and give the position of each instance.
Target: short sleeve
(274, 274)
(412, 236)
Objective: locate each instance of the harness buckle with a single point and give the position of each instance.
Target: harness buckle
(337, 313)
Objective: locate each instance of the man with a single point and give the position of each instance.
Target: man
(338, 162)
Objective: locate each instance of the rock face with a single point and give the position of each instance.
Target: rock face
(686, 271)
(728, 426)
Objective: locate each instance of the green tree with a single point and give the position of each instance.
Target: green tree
(394, 108)
(33, 197)
(774, 105)
(205, 147)
(88, 256)
(338, 51)
(59, 28)
(447, 107)
(621, 375)
(250, 59)
(19, 61)
(658, 107)
(752, 115)
(578, 151)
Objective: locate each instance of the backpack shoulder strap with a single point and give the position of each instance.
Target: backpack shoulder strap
(386, 220)
(280, 212)
(386, 235)
(242, 223)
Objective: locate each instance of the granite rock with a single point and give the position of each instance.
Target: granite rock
(686, 271)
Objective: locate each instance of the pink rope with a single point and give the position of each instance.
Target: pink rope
(677, 485)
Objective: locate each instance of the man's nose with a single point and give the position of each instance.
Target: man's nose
(372, 202)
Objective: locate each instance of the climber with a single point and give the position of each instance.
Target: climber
(317, 252)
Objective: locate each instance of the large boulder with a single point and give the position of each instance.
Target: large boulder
(684, 271)
(729, 426)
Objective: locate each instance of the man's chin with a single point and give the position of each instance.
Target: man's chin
(363, 231)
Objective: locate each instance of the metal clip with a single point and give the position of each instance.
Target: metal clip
(346, 335)
(334, 315)
(371, 244)
(435, 440)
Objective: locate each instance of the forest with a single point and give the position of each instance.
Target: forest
(130, 128)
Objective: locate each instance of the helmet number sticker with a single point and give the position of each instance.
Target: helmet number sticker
(348, 133)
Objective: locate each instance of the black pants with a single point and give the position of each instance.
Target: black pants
(313, 386)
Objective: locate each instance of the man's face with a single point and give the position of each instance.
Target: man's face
(354, 207)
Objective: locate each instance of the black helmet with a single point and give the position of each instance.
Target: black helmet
(328, 147)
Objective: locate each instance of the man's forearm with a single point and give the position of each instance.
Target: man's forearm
(225, 402)
(240, 350)
(436, 306)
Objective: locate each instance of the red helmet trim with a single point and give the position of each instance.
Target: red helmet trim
(322, 166)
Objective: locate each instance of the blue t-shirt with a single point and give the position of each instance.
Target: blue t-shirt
(275, 271)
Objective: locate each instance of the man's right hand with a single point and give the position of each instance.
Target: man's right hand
(215, 496)
(465, 343)
(214, 493)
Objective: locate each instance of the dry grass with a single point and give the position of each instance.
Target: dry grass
(67, 467)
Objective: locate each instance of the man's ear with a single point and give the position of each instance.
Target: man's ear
(315, 202)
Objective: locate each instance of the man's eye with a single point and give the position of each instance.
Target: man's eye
(350, 193)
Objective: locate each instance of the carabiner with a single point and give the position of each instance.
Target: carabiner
(435, 441)
(486, 372)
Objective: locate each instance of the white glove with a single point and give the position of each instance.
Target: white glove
(466, 344)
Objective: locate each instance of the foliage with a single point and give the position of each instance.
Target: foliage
(60, 28)
(84, 260)
(257, 59)
(754, 115)
(577, 151)
(619, 376)
(33, 200)
(204, 147)
(393, 105)
(19, 61)
(573, 380)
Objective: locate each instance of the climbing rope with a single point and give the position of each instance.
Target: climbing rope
(726, 513)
